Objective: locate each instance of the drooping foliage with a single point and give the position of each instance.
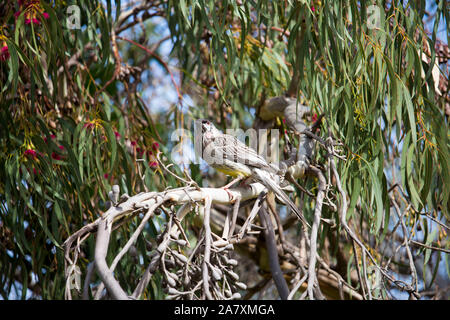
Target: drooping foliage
(79, 109)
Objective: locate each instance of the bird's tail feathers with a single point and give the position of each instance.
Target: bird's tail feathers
(270, 183)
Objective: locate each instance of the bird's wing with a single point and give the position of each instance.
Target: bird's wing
(235, 150)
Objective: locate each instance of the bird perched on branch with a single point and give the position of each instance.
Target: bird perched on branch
(229, 155)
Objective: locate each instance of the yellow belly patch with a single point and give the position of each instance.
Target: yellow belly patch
(231, 172)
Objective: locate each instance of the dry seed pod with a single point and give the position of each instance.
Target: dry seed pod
(173, 291)
(241, 285)
(187, 281)
(232, 274)
(171, 282)
(236, 296)
(232, 262)
(226, 248)
(218, 270)
(224, 258)
(220, 243)
(175, 235)
(228, 293)
(217, 275)
(181, 242)
(229, 247)
(180, 257)
(173, 276)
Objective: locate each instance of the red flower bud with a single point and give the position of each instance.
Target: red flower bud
(4, 53)
(30, 152)
(153, 164)
(155, 146)
(56, 156)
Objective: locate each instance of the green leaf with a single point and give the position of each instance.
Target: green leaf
(410, 112)
(112, 143)
(376, 190)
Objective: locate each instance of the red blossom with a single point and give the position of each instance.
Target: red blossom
(314, 117)
(106, 176)
(30, 152)
(61, 147)
(313, 9)
(140, 151)
(56, 156)
(4, 53)
(31, 8)
(117, 134)
(153, 164)
(88, 125)
(149, 153)
(133, 143)
(155, 146)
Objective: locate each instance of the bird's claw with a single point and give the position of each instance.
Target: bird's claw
(233, 198)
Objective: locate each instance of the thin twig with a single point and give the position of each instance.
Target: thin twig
(274, 263)
(207, 252)
(314, 231)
